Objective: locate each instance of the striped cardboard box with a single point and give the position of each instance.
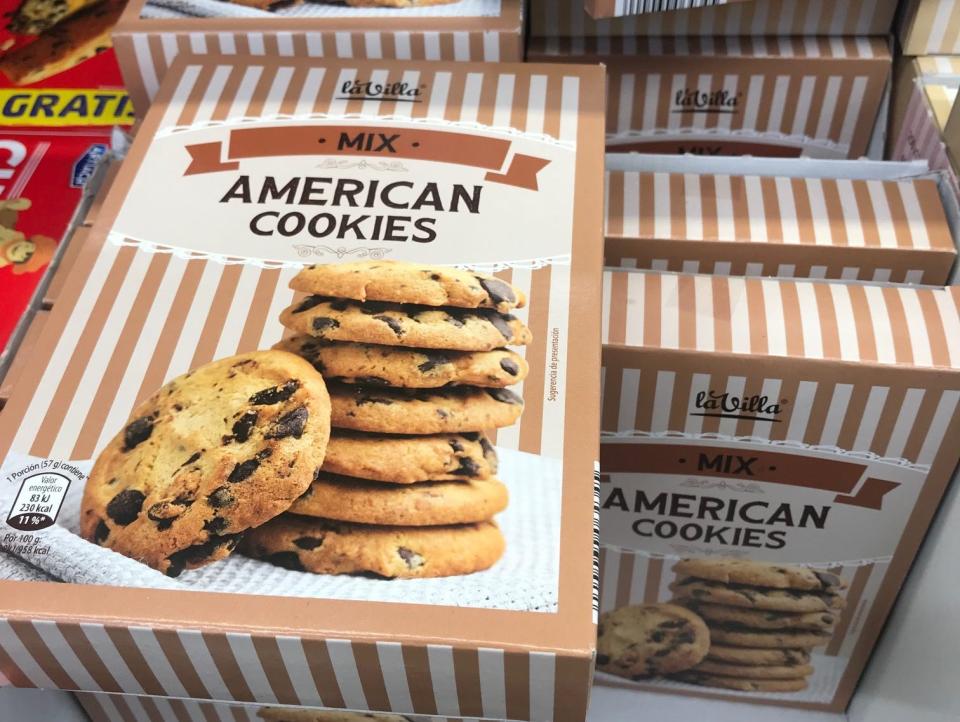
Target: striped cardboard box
(870, 230)
(147, 46)
(786, 97)
(137, 310)
(619, 8)
(785, 421)
(930, 27)
(566, 18)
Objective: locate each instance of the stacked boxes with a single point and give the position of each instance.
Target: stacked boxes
(930, 27)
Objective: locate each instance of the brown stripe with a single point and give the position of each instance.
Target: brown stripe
(553, 106)
(419, 679)
(860, 578)
(274, 668)
(752, 387)
(180, 663)
(222, 107)
(532, 422)
(130, 653)
(466, 671)
(216, 316)
(898, 212)
(863, 324)
(89, 658)
(488, 99)
(624, 579)
(91, 705)
(229, 669)
(189, 110)
(722, 328)
(256, 316)
(83, 351)
(687, 335)
(371, 676)
(516, 670)
(678, 207)
(788, 391)
(155, 47)
(899, 328)
(41, 654)
(888, 419)
(123, 351)
(757, 312)
(818, 413)
(643, 418)
(321, 669)
(681, 401)
(239, 714)
(179, 711)
(835, 215)
(934, 330)
(612, 387)
(652, 304)
(853, 416)
(647, 207)
(921, 426)
(741, 209)
(172, 327)
(829, 329)
(570, 693)
(708, 206)
(12, 672)
(771, 210)
(615, 204)
(867, 213)
(652, 581)
(209, 712)
(292, 93)
(150, 708)
(259, 95)
(123, 708)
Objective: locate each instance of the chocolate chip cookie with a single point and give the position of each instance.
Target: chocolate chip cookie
(329, 547)
(693, 590)
(429, 503)
(649, 640)
(736, 636)
(404, 282)
(375, 365)
(797, 671)
(214, 452)
(418, 411)
(394, 324)
(409, 459)
(760, 574)
(743, 685)
(746, 656)
(759, 619)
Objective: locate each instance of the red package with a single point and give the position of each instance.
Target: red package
(41, 184)
(57, 65)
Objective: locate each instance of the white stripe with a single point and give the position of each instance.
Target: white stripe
(371, 107)
(343, 45)
(606, 282)
(886, 228)
(669, 312)
(661, 401)
(771, 390)
(309, 91)
(803, 104)
(631, 205)
(629, 398)
(211, 96)
(412, 79)
(739, 315)
(915, 220)
(402, 46)
(773, 305)
(192, 709)
(536, 103)
(919, 341)
(295, 661)
(470, 105)
(854, 103)
(628, 82)
(461, 46)
(608, 581)
(241, 101)
(14, 648)
(662, 206)
(638, 580)
(636, 284)
(440, 658)
(542, 673)
(810, 321)
(726, 229)
(282, 297)
(111, 658)
(168, 42)
(906, 419)
(691, 186)
(951, 324)
(228, 43)
(186, 344)
(371, 42)
(493, 694)
(836, 414)
(171, 115)
(278, 89)
(338, 104)
(438, 97)
(938, 427)
(569, 103)
(285, 44)
(822, 231)
(732, 83)
(255, 43)
(699, 383)
(503, 106)
(96, 365)
(778, 104)
(846, 323)
(110, 708)
(829, 106)
(851, 212)
(756, 211)
(880, 321)
(870, 419)
(431, 46)
(650, 101)
(802, 408)
(199, 655)
(315, 47)
(703, 297)
(491, 47)
(394, 671)
(157, 661)
(736, 386)
(755, 96)
(678, 85)
(144, 59)
(345, 670)
(61, 650)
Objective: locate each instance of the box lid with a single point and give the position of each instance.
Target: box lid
(493, 168)
(941, 99)
(836, 321)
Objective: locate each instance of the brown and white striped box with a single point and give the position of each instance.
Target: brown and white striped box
(786, 97)
(566, 18)
(790, 422)
(755, 225)
(620, 8)
(171, 277)
(149, 37)
(930, 27)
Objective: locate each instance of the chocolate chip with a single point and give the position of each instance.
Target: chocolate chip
(125, 507)
(498, 291)
(308, 542)
(510, 366)
(454, 320)
(468, 467)
(216, 525)
(393, 323)
(220, 497)
(505, 396)
(308, 303)
(287, 560)
(362, 397)
(243, 470)
(671, 624)
(827, 579)
(101, 533)
(662, 652)
(412, 559)
(502, 324)
(488, 451)
(191, 556)
(242, 426)
(323, 323)
(433, 361)
(339, 304)
(290, 424)
(137, 432)
(371, 381)
(443, 413)
(194, 457)
(456, 446)
(275, 394)
(657, 636)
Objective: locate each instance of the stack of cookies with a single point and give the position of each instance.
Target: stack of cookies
(417, 369)
(764, 620)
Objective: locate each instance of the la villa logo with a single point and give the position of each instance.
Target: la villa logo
(694, 100)
(723, 405)
(400, 91)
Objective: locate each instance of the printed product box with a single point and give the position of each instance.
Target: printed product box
(566, 18)
(256, 277)
(736, 96)
(772, 454)
(21, 359)
(42, 176)
(930, 27)
(744, 222)
(152, 32)
(619, 8)
(57, 65)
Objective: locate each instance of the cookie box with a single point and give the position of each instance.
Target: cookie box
(21, 359)
(566, 18)
(772, 453)
(784, 97)
(42, 177)
(619, 8)
(152, 32)
(345, 343)
(853, 220)
(57, 65)
(930, 27)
